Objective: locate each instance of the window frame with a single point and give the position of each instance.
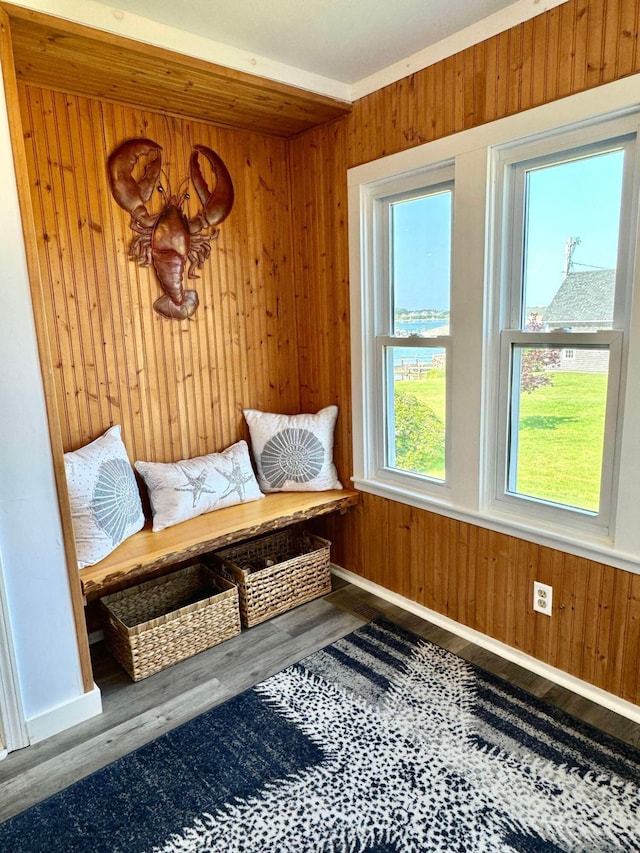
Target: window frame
(431, 181)
(476, 322)
(511, 164)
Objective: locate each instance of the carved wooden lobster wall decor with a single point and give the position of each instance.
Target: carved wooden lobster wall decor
(169, 239)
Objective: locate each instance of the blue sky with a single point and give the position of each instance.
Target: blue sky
(580, 198)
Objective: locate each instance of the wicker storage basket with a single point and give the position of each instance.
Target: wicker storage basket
(276, 572)
(160, 622)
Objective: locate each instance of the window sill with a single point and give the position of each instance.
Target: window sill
(590, 547)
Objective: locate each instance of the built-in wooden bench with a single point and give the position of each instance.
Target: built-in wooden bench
(146, 553)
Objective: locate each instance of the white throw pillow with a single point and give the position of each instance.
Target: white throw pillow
(182, 490)
(294, 453)
(105, 502)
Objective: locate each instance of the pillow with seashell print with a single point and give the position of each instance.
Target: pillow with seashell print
(105, 501)
(293, 453)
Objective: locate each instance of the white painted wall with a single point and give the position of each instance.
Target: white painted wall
(36, 585)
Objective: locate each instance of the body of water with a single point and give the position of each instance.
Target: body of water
(411, 357)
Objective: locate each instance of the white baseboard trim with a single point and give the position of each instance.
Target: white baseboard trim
(65, 716)
(558, 676)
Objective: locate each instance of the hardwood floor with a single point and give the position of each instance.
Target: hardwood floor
(136, 713)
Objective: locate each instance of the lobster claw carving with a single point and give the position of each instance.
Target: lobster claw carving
(167, 240)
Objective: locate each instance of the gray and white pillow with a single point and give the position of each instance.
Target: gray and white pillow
(182, 490)
(105, 502)
(294, 453)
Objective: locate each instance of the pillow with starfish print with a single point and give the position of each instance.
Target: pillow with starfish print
(182, 490)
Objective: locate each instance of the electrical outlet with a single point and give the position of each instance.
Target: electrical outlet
(542, 598)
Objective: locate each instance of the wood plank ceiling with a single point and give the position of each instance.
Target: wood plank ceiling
(75, 59)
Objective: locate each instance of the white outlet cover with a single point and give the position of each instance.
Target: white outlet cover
(542, 598)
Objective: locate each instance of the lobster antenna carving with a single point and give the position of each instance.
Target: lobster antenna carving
(167, 240)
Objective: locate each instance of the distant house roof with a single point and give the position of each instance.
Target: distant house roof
(583, 297)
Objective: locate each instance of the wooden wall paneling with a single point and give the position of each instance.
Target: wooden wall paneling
(478, 105)
(38, 293)
(597, 16)
(621, 41)
(498, 593)
(31, 116)
(526, 65)
(463, 100)
(436, 105)
(257, 330)
(319, 197)
(490, 97)
(449, 98)
(522, 616)
(469, 602)
(546, 66)
(458, 601)
(629, 647)
(574, 32)
(514, 69)
(564, 611)
(580, 617)
(590, 625)
(83, 247)
(115, 405)
(414, 585)
(614, 672)
(538, 71)
(426, 561)
(565, 51)
(503, 81)
(446, 556)
(514, 611)
(318, 340)
(529, 569)
(450, 578)
(482, 580)
(252, 320)
(557, 560)
(412, 122)
(611, 38)
(604, 672)
(425, 87)
(59, 318)
(62, 230)
(435, 563)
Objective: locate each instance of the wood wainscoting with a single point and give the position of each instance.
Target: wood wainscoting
(479, 578)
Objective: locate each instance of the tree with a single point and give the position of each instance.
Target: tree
(419, 435)
(536, 362)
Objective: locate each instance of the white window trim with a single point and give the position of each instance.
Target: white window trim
(470, 496)
(429, 180)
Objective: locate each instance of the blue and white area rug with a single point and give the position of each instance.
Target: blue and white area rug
(380, 743)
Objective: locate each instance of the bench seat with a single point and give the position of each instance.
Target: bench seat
(146, 554)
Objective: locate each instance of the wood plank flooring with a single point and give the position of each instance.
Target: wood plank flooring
(136, 713)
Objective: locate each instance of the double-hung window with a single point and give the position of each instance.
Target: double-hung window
(413, 232)
(495, 329)
(407, 346)
(564, 288)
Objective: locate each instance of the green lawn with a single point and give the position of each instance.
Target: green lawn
(560, 436)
